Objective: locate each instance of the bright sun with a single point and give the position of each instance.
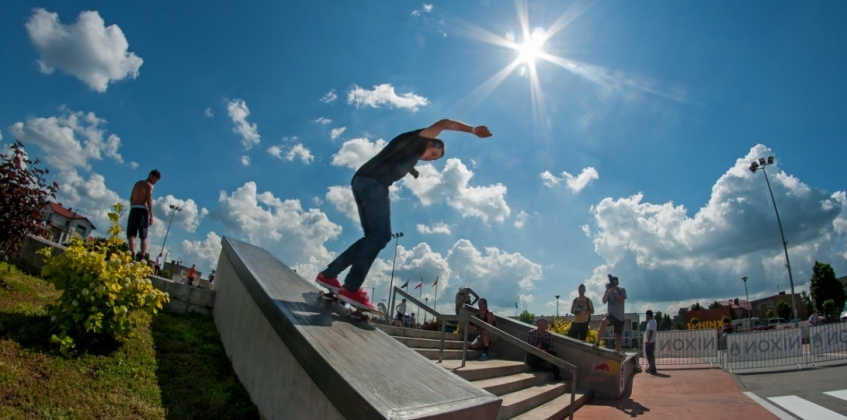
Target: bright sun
(532, 47)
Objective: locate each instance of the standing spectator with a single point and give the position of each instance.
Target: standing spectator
(157, 267)
(483, 340)
(582, 308)
(211, 279)
(614, 297)
(412, 322)
(814, 320)
(650, 346)
(401, 313)
(191, 273)
(541, 339)
(463, 297)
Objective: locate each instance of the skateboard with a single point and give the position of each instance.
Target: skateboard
(351, 310)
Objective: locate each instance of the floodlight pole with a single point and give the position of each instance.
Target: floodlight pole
(396, 237)
(174, 209)
(557, 306)
(748, 300)
(753, 167)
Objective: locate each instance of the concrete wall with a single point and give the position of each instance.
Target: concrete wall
(184, 298)
(599, 369)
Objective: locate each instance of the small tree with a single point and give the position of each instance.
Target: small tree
(806, 300)
(715, 305)
(23, 194)
(783, 310)
(825, 286)
(828, 306)
(771, 313)
(696, 307)
(666, 324)
(527, 317)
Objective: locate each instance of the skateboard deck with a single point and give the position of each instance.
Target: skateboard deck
(351, 310)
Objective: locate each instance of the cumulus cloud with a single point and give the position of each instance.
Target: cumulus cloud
(354, 153)
(134, 165)
(69, 140)
(245, 160)
(664, 255)
(204, 253)
(453, 186)
(574, 183)
(329, 97)
(88, 49)
(335, 132)
(208, 112)
(323, 120)
(296, 151)
(521, 219)
(293, 234)
(342, 198)
(89, 197)
(239, 112)
(436, 228)
(188, 217)
(384, 95)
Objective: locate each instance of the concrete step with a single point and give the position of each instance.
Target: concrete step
(416, 333)
(428, 343)
(454, 354)
(519, 402)
(503, 385)
(476, 370)
(557, 408)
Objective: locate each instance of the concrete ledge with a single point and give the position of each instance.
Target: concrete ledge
(299, 357)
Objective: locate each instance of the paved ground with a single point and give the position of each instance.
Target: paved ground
(813, 393)
(681, 394)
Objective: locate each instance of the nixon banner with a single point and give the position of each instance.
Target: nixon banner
(690, 343)
(828, 338)
(764, 345)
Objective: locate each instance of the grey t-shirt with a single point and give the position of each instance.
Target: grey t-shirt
(616, 305)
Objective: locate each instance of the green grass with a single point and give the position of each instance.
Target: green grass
(175, 367)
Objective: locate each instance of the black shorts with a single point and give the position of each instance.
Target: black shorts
(579, 330)
(137, 223)
(616, 323)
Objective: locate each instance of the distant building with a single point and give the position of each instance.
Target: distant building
(760, 306)
(739, 306)
(61, 223)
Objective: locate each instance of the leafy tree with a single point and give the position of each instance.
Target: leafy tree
(22, 197)
(666, 324)
(696, 307)
(828, 306)
(732, 315)
(715, 305)
(678, 326)
(825, 286)
(771, 313)
(783, 310)
(527, 317)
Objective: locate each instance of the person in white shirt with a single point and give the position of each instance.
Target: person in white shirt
(650, 340)
(814, 320)
(401, 314)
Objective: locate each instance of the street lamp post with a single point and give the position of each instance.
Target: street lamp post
(396, 237)
(748, 299)
(516, 310)
(426, 300)
(761, 165)
(174, 209)
(557, 306)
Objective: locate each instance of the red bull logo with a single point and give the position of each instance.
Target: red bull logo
(601, 367)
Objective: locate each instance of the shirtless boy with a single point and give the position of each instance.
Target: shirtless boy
(141, 211)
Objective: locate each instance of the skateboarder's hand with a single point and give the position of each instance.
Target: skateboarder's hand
(481, 131)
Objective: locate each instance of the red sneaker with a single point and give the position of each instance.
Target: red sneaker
(358, 299)
(329, 283)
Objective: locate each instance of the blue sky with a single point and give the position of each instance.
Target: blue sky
(621, 143)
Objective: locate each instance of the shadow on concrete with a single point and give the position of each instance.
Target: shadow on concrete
(625, 404)
(195, 377)
(319, 311)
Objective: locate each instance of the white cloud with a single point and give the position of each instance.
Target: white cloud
(188, 218)
(89, 197)
(245, 160)
(70, 139)
(329, 97)
(342, 198)
(574, 183)
(354, 153)
(664, 255)
(293, 234)
(204, 253)
(298, 150)
(134, 165)
(239, 112)
(87, 49)
(208, 112)
(335, 132)
(427, 8)
(384, 94)
(521, 219)
(586, 230)
(436, 228)
(323, 120)
(452, 185)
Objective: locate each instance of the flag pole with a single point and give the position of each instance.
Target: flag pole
(435, 301)
(419, 299)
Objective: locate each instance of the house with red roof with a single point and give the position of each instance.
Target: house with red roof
(62, 222)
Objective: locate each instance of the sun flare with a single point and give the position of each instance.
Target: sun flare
(532, 47)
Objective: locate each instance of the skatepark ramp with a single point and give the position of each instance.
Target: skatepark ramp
(300, 357)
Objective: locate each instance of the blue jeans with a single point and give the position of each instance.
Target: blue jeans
(375, 215)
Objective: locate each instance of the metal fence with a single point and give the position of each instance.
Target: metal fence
(816, 346)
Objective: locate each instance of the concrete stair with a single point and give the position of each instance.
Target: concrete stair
(525, 394)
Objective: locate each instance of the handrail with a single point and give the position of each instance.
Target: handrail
(465, 318)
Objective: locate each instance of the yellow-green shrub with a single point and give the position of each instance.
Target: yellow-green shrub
(102, 287)
(560, 326)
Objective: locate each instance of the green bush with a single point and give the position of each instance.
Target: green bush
(102, 287)
(560, 326)
(166, 274)
(527, 317)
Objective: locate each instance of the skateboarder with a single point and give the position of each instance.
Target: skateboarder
(370, 190)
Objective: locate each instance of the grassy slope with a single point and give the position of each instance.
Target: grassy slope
(174, 368)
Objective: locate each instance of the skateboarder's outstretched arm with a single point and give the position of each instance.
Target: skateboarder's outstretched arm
(434, 130)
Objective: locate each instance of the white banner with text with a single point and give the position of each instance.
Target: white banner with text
(764, 345)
